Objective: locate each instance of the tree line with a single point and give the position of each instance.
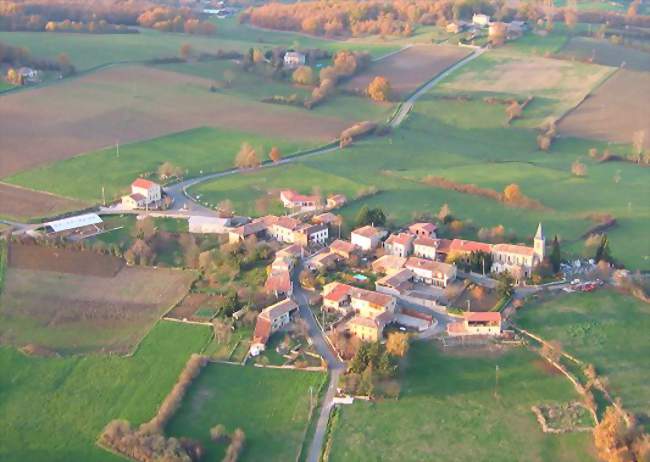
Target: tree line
(21, 56)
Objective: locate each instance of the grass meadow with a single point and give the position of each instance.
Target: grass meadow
(270, 405)
(604, 328)
(53, 409)
(448, 411)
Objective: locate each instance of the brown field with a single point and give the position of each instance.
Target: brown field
(39, 258)
(130, 103)
(74, 313)
(191, 304)
(20, 204)
(603, 52)
(614, 111)
(409, 69)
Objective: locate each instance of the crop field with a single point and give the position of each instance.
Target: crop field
(604, 52)
(557, 85)
(447, 411)
(79, 313)
(409, 69)
(21, 204)
(606, 329)
(614, 111)
(270, 405)
(69, 400)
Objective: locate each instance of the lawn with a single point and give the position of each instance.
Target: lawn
(270, 405)
(53, 409)
(603, 328)
(198, 151)
(448, 412)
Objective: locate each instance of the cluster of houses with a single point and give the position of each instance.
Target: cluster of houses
(514, 29)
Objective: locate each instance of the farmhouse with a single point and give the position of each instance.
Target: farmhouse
(369, 329)
(476, 323)
(342, 248)
(388, 264)
(293, 200)
(144, 194)
(431, 272)
(293, 59)
(425, 247)
(336, 200)
(269, 321)
(368, 237)
(279, 283)
(399, 245)
(423, 230)
(208, 225)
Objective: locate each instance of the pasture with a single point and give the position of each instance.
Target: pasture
(448, 411)
(21, 204)
(272, 407)
(89, 304)
(69, 400)
(614, 111)
(606, 53)
(604, 328)
(410, 68)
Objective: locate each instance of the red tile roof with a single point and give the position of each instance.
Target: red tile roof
(143, 183)
(279, 281)
(342, 246)
(443, 245)
(338, 292)
(288, 222)
(400, 239)
(367, 231)
(426, 227)
(515, 249)
(374, 298)
(482, 316)
(427, 242)
(262, 330)
(293, 196)
(460, 245)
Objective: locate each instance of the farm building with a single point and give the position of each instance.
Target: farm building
(76, 227)
(269, 321)
(144, 194)
(367, 237)
(476, 323)
(208, 225)
(257, 228)
(293, 200)
(293, 59)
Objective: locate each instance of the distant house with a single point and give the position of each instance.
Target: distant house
(293, 59)
(400, 245)
(336, 200)
(144, 194)
(425, 247)
(481, 19)
(426, 230)
(79, 225)
(269, 321)
(476, 323)
(29, 75)
(293, 200)
(208, 225)
(519, 260)
(431, 272)
(308, 235)
(367, 237)
(342, 248)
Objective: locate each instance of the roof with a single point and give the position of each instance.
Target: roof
(250, 228)
(427, 227)
(396, 279)
(342, 246)
(278, 309)
(417, 314)
(368, 231)
(288, 223)
(144, 183)
(384, 318)
(461, 245)
(326, 258)
(337, 199)
(374, 298)
(78, 221)
(427, 242)
(337, 292)
(262, 330)
(295, 54)
(311, 229)
(443, 246)
(482, 316)
(294, 250)
(400, 239)
(388, 262)
(293, 196)
(516, 249)
(540, 232)
(435, 267)
(365, 322)
(325, 218)
(137, 197)
(278, 281)
(202, 220)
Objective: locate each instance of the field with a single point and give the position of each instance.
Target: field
(614, 111)
(603, 52)
(21, 204)
(603, 328)
(447, 411)
(270, 405)
(79, 311)
(409, 69)
(68, 401)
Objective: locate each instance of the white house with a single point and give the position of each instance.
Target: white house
(367, 238)
(144, 194)
(293, 200)
(481, 19)
(431, 272)
(293, 59)
(400, 245)
(425, 247)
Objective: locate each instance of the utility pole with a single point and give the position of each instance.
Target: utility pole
(117, 148)
(103, 196)
(496, 381)
(469, 305)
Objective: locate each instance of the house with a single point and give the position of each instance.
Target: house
(293, 200)
(425, 247)
(395, 283)
(464, 247)
(308, 235)
(144, 194)
(279, 283)
(454, 28)
(481, 20)
(367, 237)
(28, 75)
(342, 248)
(400, 245)
(283, 263)
(518, 259)
(443, 249)
(283, 229)
(336, 297)
(336, 200)
(323, 261)
(293, 59)
(257, 228)
(327, 218)
(388, 264)
(370, 304)
(293, 251)
(208, 225)
(423, 230)
(369, 329)
(269, 321)
(476, 323)
(431, 272)
(516, 29)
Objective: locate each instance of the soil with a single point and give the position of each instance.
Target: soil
(19, 203)
(191, 304)
(410, 68)
(85, 263)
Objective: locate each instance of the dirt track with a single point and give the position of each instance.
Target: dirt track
(20, 203)
(614, 111)
(130, 103)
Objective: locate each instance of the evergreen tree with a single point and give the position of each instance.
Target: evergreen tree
(366, 385)
(556, 255)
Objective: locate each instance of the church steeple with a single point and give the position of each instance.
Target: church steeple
(540, 243)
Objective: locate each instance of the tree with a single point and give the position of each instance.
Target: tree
(275, 155)
(258, 56)
(145, 228)
(368, 216)
(556, 255)
(609, 435)
(397, 344)
(379, 89)
(186, 51)
(513, 110)
(218, 433)
(236, 446)
(603, 252)
(505, 285)
(64, 64)
(169, 170)
(512, 193)
(544, 142)
(304, 75)
(578, 169)
(14, 77)
(247, 157)
(445, 213)
(366, 385)
(498, 33)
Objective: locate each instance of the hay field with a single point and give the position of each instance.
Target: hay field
(77, 313)
(614, 111)
(129, 103)
(409, 69)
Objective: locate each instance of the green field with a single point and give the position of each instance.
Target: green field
(53, 409)
(270, 405)
(448, 412)
(198, 151)
(606, 329)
